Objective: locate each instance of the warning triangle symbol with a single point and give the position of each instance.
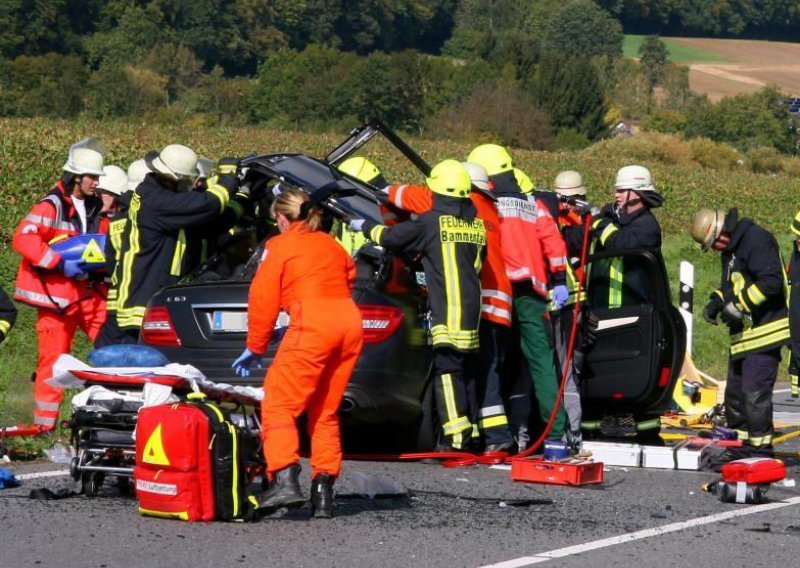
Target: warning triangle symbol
(154, 449)
(92, 253)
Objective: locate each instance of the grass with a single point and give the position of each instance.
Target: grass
(33, 150)
(678, 53)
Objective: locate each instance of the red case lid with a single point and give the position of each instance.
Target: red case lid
(754, 470)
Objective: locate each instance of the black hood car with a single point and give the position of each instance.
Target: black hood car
(203, 320)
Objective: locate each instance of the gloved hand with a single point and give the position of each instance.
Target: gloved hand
(73, 268)
(794, 386)
(228, 165)
(560, 296)
(356, 224)
(712, 309)
(731, 314)
(242, 365)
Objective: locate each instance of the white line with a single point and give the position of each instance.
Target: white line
(638, 535)
(779, 391)
(41, 474)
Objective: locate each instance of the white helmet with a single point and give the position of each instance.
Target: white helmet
(115, 180)
(569, 183)
(176, 161)
(86, 157)
(637, 178)
(478, 175)
(136, 172)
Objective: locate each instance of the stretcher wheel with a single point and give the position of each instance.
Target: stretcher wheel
(124, 485)
(92, 484)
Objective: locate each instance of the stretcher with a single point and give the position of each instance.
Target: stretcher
(105, 411)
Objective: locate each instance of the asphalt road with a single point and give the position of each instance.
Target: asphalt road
(472, 517)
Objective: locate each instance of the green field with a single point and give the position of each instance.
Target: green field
(677, 53)
(32, 152)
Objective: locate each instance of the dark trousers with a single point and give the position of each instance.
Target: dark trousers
(112, 334)
(452, 390)
(492, 420)
(748, 396)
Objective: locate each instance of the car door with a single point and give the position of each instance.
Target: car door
(641, 338)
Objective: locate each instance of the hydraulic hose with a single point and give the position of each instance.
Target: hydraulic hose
(463, 459)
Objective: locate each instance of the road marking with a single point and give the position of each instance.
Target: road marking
(638, 535)
(41, 474)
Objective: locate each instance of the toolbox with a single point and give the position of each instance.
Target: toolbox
(659, 457)
(693, 456)
(611, 453)
(568, 471)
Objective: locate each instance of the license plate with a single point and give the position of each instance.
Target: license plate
(229, 322)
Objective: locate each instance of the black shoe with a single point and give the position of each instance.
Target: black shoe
(322, 496)
(284, 491)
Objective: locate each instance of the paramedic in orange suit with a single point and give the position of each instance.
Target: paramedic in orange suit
(308, 273)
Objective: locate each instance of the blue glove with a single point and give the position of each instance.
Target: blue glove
(356, 224)
(242, 365)
(560, 296)
(7, 479)
(73, 268)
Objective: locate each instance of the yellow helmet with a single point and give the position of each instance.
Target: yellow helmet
(450, 178)
(494, 158)
(360, 168)
(706, 226)
(524, 182)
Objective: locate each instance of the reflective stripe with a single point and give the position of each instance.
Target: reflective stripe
(398, 196)
(237, 207)
(607, 232)
(41, 299)
(742, 434)
(452, 286)
(134, 246)
(760, 440)
(45, 420)
(760, 337)
(615, 277)
(5, 327)
(220, 193)
(755, 295)
(130, 317)
(493, 422)
(177, 256)
(492, 410)
(719, 294)
(466, 340)
(51, 406)
(556, 261)
(648, 424)
(497, 294)
(47, 260)
(495, 311)
(796, 225)
(594, 425)
(48, 222)
(456, 426)
(376, 233)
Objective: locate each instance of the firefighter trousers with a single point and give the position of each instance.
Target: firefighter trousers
(309, 374)
(562, 328)
(56, 330)
(112, 334)
(452, 390)
(492, 420)
(748, 396)
(535, 342)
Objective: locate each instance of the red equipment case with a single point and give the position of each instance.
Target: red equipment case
(570, 471)
(188, 463)
(754, 471)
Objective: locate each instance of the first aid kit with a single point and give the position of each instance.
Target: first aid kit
(189, 463)
(748, 480)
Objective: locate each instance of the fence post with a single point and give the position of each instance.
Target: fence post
(686, 300)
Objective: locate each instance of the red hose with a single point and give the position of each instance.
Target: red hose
(463, 459)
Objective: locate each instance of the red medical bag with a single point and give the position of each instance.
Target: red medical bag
(754, 471)
(188, 463)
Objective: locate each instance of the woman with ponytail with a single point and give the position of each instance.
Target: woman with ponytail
(307, 273)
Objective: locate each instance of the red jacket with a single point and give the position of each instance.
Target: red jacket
(297, 265)
(40, 283)
(495, 286)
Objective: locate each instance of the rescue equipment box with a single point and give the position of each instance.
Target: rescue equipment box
(754, 471)
(189, 463)
(569, 471)
(693, 456)
(610, 453)
(659, 457)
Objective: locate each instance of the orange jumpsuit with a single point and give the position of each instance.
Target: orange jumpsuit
(310, 275)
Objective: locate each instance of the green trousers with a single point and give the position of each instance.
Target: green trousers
(535, 339)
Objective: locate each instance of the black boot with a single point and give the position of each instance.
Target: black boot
(322, 496)
(284, 491)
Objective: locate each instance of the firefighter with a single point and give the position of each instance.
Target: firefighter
(363, 170)
(495, 322)
(8, 314)
(154, 244)
(307, 273)
(450, 239)
(751, 300)
(534, 255)
(628, 224)
(569, 187)
(794, 309)
(58, 287)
